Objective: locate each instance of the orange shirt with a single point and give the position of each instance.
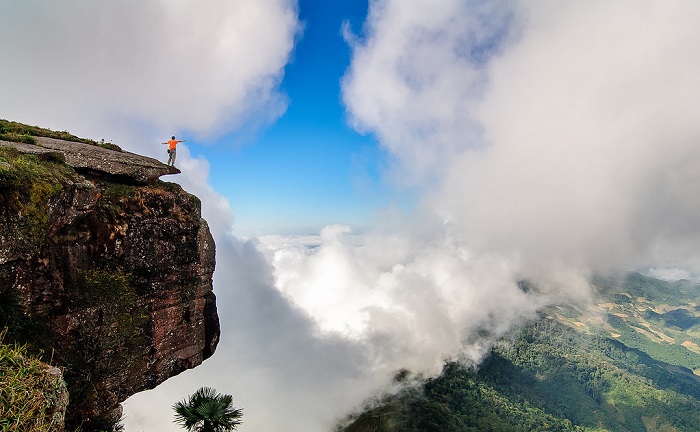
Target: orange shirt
(172, 144)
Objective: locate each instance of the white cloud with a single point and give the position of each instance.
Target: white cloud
(411, 299)
(172, 65)
(414, 78)
(591, 125)
(270, 357)
(572, 138)
(317, 324)
(553, 140)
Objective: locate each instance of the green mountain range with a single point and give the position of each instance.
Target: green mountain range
(625, 363)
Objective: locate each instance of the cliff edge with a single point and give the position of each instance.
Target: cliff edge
(105, 269)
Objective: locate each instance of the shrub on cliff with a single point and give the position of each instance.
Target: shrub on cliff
(31, 398)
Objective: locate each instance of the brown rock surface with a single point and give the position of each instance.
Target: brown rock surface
(114, 279)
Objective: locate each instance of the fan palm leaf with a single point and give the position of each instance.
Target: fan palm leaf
(208, 411)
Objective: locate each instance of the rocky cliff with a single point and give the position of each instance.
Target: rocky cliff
(105, 269)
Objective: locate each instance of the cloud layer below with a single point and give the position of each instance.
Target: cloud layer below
(550, 140)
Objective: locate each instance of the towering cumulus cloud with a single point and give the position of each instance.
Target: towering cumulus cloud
(559, 134)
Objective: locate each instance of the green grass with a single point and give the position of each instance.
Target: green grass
(17, 137)
(19, 132)
(27, 392)
(27, 184)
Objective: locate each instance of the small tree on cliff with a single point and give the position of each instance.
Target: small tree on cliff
(208, 411)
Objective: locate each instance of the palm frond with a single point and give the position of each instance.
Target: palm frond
(207, 410)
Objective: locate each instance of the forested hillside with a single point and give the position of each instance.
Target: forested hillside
(623, 364)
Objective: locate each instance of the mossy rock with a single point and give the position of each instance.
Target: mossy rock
(27, 184)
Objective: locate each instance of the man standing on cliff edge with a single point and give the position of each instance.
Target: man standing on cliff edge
(172, 148)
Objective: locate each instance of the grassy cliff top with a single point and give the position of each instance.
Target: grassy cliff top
(20, 132)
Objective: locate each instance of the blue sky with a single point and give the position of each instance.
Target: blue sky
(309, 168)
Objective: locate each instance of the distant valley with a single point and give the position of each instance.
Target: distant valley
(628, 362)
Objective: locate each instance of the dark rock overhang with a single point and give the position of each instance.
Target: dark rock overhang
(98, 161)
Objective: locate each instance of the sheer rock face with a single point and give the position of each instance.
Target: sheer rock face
(113, 278)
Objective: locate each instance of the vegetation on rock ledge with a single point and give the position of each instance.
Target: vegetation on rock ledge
(28, 393)
(19, 132)
(27, 183)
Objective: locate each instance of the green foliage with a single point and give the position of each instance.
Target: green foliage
(208, 411)
(387, 417)
(662, 351)
(17, 137)
(19, 132)
(547, 376)
(10, 127)
(653, 290)
(20, 327)
(27, 184)
(594, 380)
(27, 392)
(657, 317)
(660, 318)
(680, 318)
(464, 399)
(19, 170)
(115, 192)
(109, 146)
